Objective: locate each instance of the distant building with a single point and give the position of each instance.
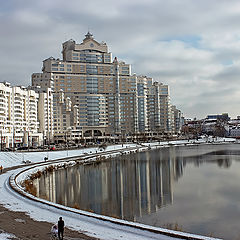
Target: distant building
(193, 128)
(223, 117)
(233, 128)
(234, 131)
(178, 119)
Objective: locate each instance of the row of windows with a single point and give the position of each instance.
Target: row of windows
(60, 65)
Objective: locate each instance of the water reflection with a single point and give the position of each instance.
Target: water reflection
(140, 186)
(126, 187)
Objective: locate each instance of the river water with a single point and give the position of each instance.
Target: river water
(192, 188)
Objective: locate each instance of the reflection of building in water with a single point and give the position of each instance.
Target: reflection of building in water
(127, 187)
(46, 187)
(177, 163)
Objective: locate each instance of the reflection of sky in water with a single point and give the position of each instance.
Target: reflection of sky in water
(195, 187)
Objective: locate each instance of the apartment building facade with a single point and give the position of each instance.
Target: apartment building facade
(45, 112)
(106, 99)
(19, 123)
(178, 119)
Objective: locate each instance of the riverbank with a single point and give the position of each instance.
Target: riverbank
(91, 226)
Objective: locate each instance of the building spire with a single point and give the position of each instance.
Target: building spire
(89, 35)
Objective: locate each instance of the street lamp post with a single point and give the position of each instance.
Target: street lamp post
(13, 138)
(67, 143)
(66, 140)
(28, 140)
(1, 140)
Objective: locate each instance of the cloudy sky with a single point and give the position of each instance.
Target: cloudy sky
(193, 46)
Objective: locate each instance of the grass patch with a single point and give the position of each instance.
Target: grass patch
(29, 187)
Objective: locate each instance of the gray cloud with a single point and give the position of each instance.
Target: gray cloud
(191, 45)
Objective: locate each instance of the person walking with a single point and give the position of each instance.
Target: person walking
(60, 228)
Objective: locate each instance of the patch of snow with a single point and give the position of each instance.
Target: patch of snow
(20, 220)
(4, 236)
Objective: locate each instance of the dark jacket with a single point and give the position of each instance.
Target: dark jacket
(60, 225)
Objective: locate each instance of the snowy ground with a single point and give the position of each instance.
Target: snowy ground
(10, 159)
(89, 225)
(4, 236)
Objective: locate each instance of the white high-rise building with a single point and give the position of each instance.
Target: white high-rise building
(45, 112)
(18, 116)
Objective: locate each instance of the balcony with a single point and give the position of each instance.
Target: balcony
(18, 98)
(2, 112)
(17, 123)
(2, 97)
(18, 111)
(18, 102)
(3, 105)
(32, 110)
